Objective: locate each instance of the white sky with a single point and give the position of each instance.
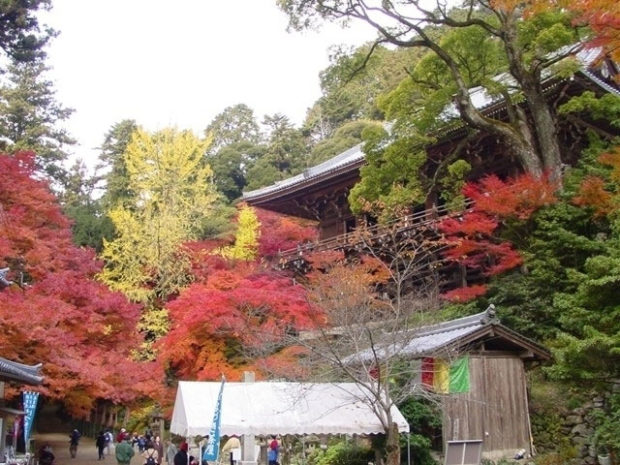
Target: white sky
(181, 62)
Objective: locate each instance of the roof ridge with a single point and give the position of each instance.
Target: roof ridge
(486, 317)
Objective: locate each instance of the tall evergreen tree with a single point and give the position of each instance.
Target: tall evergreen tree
(79, 202)
(235, 148)
(31, 118)
(21, 36)
(231, 164)
(112, 157)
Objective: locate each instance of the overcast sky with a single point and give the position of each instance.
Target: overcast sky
(181, 62)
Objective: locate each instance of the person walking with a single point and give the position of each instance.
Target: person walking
(121, 435)
(74, 440)
(124, 451)
(230, 447)
(100, 443)
(274, 449)
(109, 441)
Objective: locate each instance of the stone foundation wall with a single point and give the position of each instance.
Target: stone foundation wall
(579, 425)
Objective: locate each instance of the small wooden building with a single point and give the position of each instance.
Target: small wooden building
(495, 409)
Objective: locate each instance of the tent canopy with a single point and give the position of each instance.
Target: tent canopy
(263, 408)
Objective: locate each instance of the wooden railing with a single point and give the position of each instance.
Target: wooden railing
(400, 226)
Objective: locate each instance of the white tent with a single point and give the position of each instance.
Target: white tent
(263, 408)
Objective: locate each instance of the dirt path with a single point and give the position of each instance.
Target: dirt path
(86, 454)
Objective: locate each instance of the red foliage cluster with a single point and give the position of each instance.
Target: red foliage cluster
(472, 237)
(235, 315)
(62, 317)
(603, 16)
(465, 294)
(592, 194)
(279, 233)
(515, 198)
(219, 324)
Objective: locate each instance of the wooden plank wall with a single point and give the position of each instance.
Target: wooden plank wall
(495, 409)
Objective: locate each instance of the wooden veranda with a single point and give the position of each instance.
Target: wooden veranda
(417, 235)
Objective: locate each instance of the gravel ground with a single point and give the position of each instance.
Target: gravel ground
(86, 454)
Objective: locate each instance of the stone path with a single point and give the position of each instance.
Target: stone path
(86, 454)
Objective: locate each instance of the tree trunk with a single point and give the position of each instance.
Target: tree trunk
(546, 132)
(516, 135)
(392, 445)
(544, 125)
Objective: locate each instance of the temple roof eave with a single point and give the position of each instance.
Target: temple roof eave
(347, 162)
(14, 371)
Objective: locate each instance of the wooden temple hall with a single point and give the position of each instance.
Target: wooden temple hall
(320, 193)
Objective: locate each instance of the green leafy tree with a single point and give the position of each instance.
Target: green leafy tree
(231, 164)
(237, 144)
(30, 117)
(285, 156)
(235, 124)
(346, 136)
(528, 46)
(391, 177)
(352, 85)
(90, 224)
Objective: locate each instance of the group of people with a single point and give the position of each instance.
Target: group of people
(152, 453)
(47, 457)
(152, 450)
(104, 441)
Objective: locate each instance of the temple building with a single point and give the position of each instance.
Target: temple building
(320, 193)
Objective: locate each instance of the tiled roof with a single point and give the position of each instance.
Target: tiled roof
(434, 339)
(13, 371)
(345, 159)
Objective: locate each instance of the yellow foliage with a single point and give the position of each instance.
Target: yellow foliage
(246, 237)
(174, 193)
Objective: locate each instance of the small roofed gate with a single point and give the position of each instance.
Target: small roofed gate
(495, 410)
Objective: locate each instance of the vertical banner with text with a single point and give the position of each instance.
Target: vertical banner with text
(30, 406)
(212, 448)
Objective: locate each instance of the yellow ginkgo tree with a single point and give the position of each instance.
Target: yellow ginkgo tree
(174, 195)
(246, 237)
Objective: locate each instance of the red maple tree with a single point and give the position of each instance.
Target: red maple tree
(57, 313)
(474, 237)
(236, 314)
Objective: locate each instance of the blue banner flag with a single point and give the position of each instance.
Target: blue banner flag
(30, 405)
(212, 449)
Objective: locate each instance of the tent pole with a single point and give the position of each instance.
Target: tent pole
(408, 449)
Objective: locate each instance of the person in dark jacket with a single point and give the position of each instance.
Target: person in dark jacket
(180, 458)
(100, 443)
